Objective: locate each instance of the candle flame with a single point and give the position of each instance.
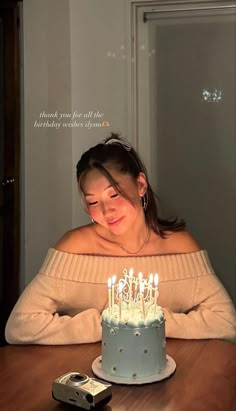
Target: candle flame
(140, 276)
(113, 279)
(151, 279)
(109, 282)
(156, 279)
(131, 273)
(141, 287)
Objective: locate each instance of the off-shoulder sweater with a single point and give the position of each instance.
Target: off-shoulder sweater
(64, 302)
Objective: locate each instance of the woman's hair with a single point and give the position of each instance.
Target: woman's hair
(118, 153)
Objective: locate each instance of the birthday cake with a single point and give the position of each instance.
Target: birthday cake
(133, 331)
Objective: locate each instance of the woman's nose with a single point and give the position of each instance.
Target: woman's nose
(107, 208)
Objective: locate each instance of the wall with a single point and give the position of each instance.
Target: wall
(73, 60)
(99, 75)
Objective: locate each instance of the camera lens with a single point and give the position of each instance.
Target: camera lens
(77, 379)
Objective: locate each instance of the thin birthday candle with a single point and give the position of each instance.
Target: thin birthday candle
(113, 280)
(109, 295)
(131, 273)
(150, 282)
(156, 279)
(137, 280)
(120, 289)
(141, 288)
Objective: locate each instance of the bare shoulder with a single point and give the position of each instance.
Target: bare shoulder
(182, 242)
(76, 240)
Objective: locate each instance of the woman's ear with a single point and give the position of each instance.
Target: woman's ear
(142, 184)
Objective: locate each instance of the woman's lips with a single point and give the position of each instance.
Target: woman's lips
(115, 221)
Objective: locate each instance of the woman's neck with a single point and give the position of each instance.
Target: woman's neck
(131, 242)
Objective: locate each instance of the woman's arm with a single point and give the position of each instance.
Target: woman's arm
(35, 318)
(212, 315)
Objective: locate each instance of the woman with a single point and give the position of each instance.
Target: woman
(64, 302)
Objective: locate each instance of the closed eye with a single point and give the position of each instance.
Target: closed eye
(94, 203)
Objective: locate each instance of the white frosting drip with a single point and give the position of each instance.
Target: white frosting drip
(133, 316)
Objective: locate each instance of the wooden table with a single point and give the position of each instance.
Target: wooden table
(205, 378)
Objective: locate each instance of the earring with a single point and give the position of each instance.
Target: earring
(92, 220)
(144, 200)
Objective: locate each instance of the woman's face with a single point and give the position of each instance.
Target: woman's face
(109, 208)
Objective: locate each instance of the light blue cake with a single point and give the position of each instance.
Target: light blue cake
(133, 347)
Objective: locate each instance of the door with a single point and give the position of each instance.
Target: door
(9, 160)
(186, 69)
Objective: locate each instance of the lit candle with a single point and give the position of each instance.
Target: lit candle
(141, 288)
(156, 279)
(120, 289)
(131, 273)
(109, 295)
(113, 280)
(150, 282)
(136, 282)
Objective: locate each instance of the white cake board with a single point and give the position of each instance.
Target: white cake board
(165, 373)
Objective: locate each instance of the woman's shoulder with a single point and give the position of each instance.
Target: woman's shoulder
(76, 240)
(181, 242)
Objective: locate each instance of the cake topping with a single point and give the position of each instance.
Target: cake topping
(133, 300)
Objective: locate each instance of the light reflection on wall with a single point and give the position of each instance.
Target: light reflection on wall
(212, 96)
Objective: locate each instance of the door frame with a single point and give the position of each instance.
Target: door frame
(9, 11)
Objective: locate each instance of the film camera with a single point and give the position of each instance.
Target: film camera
(80, 390)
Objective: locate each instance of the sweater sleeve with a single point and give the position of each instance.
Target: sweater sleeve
(212, 315)
(35, 318)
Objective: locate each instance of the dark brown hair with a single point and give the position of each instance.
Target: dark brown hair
(119, 153)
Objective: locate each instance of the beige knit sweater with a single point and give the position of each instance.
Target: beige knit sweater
(63, 303)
